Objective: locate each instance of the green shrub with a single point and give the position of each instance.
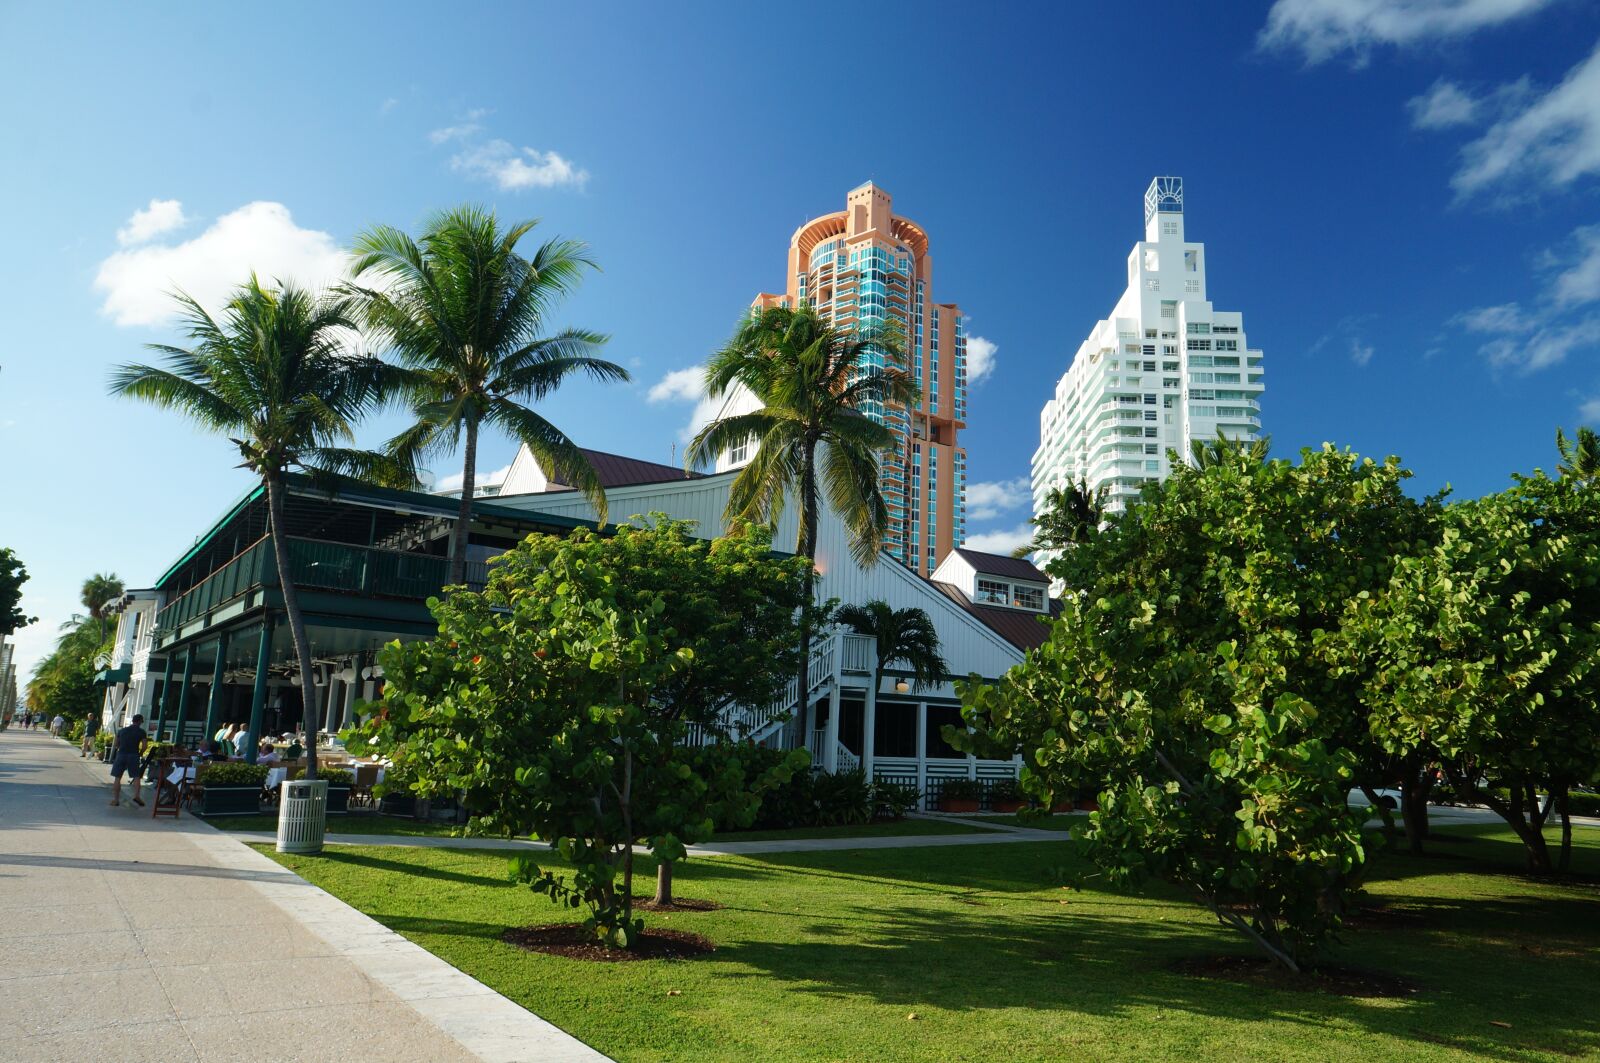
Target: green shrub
(1005, 790)
(842, 798)
(231, 773)
(1583, 804)
(962, 789)
(335, 776)
(156, 750)
(75, 733)
(102, 741)
(891, 800)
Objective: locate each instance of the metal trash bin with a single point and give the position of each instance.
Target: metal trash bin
(302, 816)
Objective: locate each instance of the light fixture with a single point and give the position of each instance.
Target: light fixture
(347, 676)
(901, 686)
(294, 680)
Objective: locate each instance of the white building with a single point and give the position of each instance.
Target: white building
(988, 611)
(1162, 369)
(130, 684)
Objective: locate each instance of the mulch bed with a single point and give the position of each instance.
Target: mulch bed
(574, 941)
(679, 904)
(1330, 978)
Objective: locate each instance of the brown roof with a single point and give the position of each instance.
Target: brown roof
(614, 470)
(1022, 629)
(1001, 565)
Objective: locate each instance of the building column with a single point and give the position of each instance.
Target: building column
(214, 702)
(349, 718)
(329, 701)
(258, 696)
(183, 695)
(830, 747)
(166, 694)
(922, 753)
(869, 727)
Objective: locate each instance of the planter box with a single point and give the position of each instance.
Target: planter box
(1005, 804)
(958, 804)
(398, 805)
(1061, 806)
(230, 801)
(338, 799)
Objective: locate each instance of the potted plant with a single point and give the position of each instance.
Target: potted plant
(960, 795)
(153, 752)
(230, 788)
(1005, 795)
(339, 781)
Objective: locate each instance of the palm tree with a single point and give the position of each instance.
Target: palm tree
(1205, 453)
(1071, 517)
(464, 315)
(901, 635)
(1580, 456)
(812, 380)
(274, 374)
(97, 591)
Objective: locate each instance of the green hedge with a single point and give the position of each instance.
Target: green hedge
(232, 773)
(810, 799)
(335, 776)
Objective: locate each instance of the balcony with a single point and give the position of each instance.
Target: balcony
(322, 566)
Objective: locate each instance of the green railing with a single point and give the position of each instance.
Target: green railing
(317, 565)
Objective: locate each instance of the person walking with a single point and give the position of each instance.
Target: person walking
(126, 747)
(91, 727)
(57, 724)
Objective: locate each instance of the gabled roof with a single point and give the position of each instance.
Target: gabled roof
(1001, 565)
(1022, 629)
(615, 470)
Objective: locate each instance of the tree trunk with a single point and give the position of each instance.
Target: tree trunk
(1375, 804)
(1416, 786)
(806, 547)
(1564, 863)
(297, 622)
(627, 842)
(469, 484)
(664, 883)
(1521, 814)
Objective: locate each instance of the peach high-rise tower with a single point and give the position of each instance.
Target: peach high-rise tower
(864, 264)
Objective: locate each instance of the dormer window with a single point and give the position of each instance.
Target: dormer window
(1025, 597)
(993, 592)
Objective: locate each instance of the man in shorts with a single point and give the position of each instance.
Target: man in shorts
(125, 750)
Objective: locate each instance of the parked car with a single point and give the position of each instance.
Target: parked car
(1387, 798)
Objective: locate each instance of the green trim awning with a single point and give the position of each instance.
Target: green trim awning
(107, 676)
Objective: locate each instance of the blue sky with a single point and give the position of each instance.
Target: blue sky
(1401, 198)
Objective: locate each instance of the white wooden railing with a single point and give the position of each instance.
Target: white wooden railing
(819, 673)
(860, 653)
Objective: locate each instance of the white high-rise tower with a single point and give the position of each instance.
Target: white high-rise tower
(1163, 369)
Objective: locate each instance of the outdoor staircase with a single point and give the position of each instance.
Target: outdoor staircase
(763, 724)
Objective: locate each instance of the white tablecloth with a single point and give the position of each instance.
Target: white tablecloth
(180, 774)
(276, 776)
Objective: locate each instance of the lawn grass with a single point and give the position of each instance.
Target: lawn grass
(1051, 822)
(894, 828)
(829, 955)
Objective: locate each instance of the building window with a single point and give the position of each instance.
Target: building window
(739, 453)
(1169, 308)
(1191, 261)
(992, 592)
(1027, 597)
(1169, 228)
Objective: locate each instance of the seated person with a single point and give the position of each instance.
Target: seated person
(209, 751)
(268, 755)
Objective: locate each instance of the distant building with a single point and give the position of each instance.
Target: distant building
(863, 265)
(1162, 369)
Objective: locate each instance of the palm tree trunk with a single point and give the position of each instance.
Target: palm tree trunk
(807, 548)
(469, 484)
(297, 621)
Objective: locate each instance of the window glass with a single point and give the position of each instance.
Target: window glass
(938, 717)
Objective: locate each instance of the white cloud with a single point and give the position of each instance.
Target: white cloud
(985, 501)
(261, 237)
(680, 385)
(1322, 29)
(471, 122)
(1443, 106)
(512, 170)
(980, 358)
(388, 105)
(1590, 410)
(1528, 340)
(1578, 281)
(454, 480)
(1550, 140)
(161, 216)
(1001, 541)
(1360, 353)
(1546, 346)
(1506, 317)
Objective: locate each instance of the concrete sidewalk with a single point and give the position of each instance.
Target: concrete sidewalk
(128, 938)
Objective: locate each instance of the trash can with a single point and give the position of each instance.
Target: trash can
(302, 816)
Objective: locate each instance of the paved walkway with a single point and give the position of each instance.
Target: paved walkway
(127, 938)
